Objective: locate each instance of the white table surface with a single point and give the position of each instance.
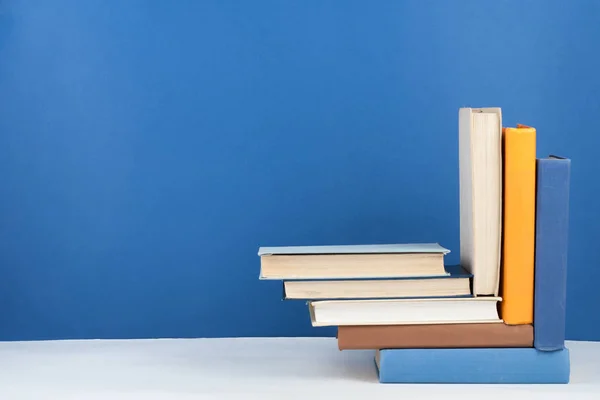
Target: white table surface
(253, 368)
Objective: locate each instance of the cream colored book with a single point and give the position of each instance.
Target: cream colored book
(376, 288)
(480, 181)
(405, 311)
(352, 261)
(458, 283)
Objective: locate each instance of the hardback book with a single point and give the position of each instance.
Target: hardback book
(352, 261)
(513, 365)
(552, 226)
(518, 250)
(480, 183)
(457, 283)
(404, 311)
(434, 336)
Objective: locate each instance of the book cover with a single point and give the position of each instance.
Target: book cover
(518, 249)
(552, 225)
(366, 337)
(492, 366)
(394, 248)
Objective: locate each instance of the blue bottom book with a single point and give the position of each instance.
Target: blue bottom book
(473, 365)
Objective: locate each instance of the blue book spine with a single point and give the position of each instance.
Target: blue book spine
(552, 225)
(474, 365)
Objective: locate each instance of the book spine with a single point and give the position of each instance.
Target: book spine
(516, 366)
(552, 224)
(518, 251)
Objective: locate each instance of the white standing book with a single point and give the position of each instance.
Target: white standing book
(480, 165)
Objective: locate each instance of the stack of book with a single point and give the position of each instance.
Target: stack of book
(498, 317)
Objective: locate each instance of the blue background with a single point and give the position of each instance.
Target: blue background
(148, 148)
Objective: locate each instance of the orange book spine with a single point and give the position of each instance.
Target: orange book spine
(518, 248)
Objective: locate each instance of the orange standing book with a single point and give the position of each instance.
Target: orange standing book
(518, 248)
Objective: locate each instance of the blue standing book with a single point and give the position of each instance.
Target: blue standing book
(473, 365)
(552, 225)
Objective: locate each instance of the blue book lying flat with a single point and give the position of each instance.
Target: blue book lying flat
(473, 365)
(551, 245)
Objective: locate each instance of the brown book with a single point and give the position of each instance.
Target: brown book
(434, 336)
